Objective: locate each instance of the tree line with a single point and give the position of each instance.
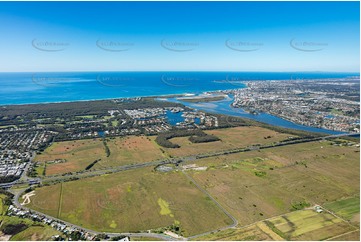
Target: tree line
(196, 136)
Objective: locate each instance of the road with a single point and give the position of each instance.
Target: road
(233, 225)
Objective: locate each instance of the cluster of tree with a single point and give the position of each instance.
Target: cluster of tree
(6, 179)
(92, 164)
(9, 196)
(12, 229)
(32, 172)
(53, 110)
(203, 138)
(197, 136)
(107, 150)
(117, 238)
(101, 237)
(72, 109)
(76, 235)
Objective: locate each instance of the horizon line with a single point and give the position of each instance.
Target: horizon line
(79, 71)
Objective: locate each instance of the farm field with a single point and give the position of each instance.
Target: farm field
(131, 201)
(348, 208)
(255, 232)
(81, 153)
(236, 137)
(257, 185)
(309, 225)
(352, 236)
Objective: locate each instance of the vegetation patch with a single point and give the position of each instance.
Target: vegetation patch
(164, 208)
(197, 136)
(260, 173)
(107, 150)
(12, 229)
(92, 164)
(154, 200)
(300, 205)
(276, 230)
(346, 208)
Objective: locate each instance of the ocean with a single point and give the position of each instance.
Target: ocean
(31, 88)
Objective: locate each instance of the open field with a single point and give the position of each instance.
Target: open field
(131, 201)
(81, 153)
(352, 236)
(144, 239)
(78, 155)
(255, 232)
(261, 184)
(131, 150)
(3, 207)
(309, 225)
(230, 138)
(348, 208)
(252, 186)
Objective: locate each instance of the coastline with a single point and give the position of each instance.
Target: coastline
(101, 99)
(174, 98)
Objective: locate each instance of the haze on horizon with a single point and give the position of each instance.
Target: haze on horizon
(179, 36)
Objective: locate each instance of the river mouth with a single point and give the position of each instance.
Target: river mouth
(224, 107)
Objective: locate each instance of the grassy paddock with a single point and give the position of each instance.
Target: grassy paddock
(261, 184)
(131, 201)
(255, 232)
(348, 208)
(81, 153)
(230, 138)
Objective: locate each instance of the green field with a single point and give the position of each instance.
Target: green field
(231, 138)
(80, 153)
(352, 236)
(131, 201)
(348, 208)
(254, 232)
(260, 184)
(3, 207)
(308, 225)
(253, 186)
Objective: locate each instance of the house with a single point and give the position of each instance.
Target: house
(318, 209)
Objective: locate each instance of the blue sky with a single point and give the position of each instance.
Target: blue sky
(190, 36)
